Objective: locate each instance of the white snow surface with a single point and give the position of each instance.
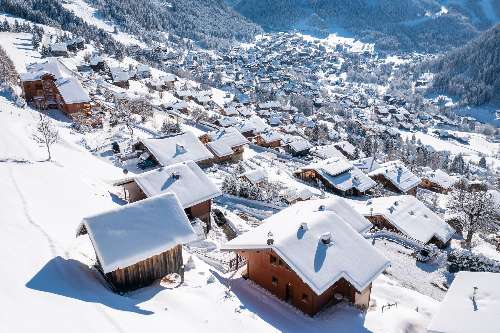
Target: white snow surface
(466, 311)
(178, 148)
(348, 256)
(408, 215)
(132, 233)
(191, 187)
(441, 178)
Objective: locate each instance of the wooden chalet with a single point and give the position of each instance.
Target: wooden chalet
(120, 77)
(337, 175)
(396, 177)
(438, 181)
(312, 255)
(227, 145)
(268, 139)
(139, 243)
(191, 185)
(406, 215)
(50, 85)
(174, 149)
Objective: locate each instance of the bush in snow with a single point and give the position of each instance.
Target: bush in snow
(464, 260)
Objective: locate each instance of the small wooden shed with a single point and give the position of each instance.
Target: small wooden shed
(139, 243)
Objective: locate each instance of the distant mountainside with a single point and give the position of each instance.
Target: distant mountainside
(471, 72)
(211, 22)
(430, 25)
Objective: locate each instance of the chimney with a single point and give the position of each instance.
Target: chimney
(326, 238)
(303, 226)
(321, 208)
(175, 176)
(270, 240)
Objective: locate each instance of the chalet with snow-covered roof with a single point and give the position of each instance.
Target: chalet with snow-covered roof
(255, 176)
(174, 149)
(120, 77)
(190, 184)
(51, 85)
(312, 255)
(97, 63)
(396, 177)
(346, 148)
(75, 44)
(227, 145)
(367, 164)
(268, 139)
(298, 147)
(407, 215)
(139, 243)
(338, 175)
(252, 126)
(438, 181)
(293, 196)
(470, 305)
(58, 50)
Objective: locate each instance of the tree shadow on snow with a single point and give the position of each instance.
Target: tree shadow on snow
(70, 278)
(285, 318)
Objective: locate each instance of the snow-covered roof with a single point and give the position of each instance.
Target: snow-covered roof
(407, 214)
(398, 174)
(295, 194)
(441, 178)
(270, 136)
(231, 135)
(119, 74)
(327, 151)
(254, 124)
(346, 146)
(129, 234)
(351, 178)
(178, 148)
(72, 91)
(319, 265)
(471, 304)
(50, 66)
(331, 166)
(255, 176)
(367, 164)
(300, 145)
(186, 180)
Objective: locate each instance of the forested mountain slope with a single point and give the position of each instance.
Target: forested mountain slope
(429, 25)
(471, 72)
(210, 22)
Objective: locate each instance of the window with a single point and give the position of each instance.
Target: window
(272, 259)
(305, 298)
(274, 281)
(280, 262)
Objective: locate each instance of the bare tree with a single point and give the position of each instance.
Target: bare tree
(126, 111)
(46, 133)
(474, 209)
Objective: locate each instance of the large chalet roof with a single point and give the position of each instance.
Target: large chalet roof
(132, 233)
(398, 174)
(410, 216)
(186, 180)
(296, 237)
(50, 66)
(472, 304)
(178, 148)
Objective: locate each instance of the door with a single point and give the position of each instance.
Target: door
(289, 293)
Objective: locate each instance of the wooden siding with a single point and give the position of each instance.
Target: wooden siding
(431, 186)
(285, 284)
(147, 271)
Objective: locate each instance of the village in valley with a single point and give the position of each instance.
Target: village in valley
(291, 184)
